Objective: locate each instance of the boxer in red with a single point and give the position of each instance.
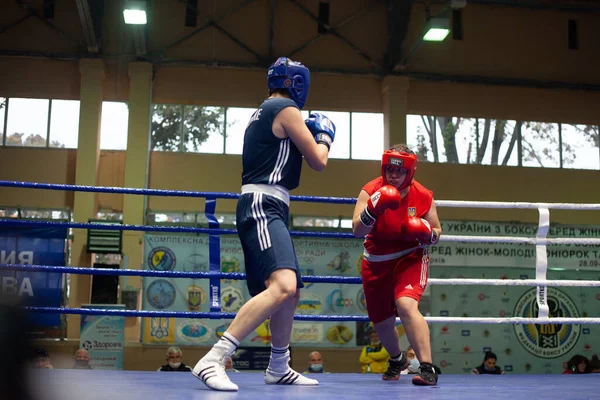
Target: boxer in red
(398, 218)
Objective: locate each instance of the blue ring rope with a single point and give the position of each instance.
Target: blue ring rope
(164, 274)
(182, 314)
(155, 228)
(161, 192)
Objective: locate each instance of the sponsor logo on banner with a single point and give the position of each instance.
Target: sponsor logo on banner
(412, 211)
(361, 301)
(338, 303)
(195, 263)
(307, 332)
(232, 299)
(161, 294)
(158, 330)
(339, 334)
(195, 296)
(193, 331)
(162, 259)
(340, 263)
(547, 340)
(309, 303)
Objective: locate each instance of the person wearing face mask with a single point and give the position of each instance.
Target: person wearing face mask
(315, 364)
(489, 366)
(82, 359)
(174, 364)
(414, 364)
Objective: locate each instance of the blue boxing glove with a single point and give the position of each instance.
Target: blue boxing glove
(322, 128)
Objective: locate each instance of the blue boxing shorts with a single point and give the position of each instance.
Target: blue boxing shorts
(261, 222)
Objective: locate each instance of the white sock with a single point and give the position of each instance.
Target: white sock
(226, 345)
(280, 358)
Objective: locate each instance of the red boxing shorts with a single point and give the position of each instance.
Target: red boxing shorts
(385, 281)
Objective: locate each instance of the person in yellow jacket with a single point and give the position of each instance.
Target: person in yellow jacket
(374, 357)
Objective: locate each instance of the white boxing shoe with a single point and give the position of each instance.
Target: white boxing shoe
(211, 370)
(290, 377)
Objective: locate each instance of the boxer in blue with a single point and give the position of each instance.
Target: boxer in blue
(276, 140)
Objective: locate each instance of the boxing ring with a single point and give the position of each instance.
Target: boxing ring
(67, 384)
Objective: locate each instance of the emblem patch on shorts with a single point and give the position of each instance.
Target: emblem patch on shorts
(412, 211)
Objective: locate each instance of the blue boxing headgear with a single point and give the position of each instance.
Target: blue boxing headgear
(292, 76)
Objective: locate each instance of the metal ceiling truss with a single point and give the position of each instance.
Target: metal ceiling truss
(332, 31)
(210, 22)
(398, 19)
(29, 13)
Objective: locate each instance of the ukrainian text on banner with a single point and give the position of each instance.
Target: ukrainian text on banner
(570, 256)
(103, 336)
(536, 349)
(340, 257)
(44, 246)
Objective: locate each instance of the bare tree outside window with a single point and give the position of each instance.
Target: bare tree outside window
(500, 142)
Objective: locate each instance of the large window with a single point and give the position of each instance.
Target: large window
(64, 123)
(503, 142)
(188, 128)
(27, 122)
(359, 136)
(367, 136)
(237, 120)
(39, 123)
(540, 144)
(580, 147)
(221, 130)
(114, 126)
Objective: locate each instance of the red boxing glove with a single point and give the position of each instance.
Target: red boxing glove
(386, 197)
(418, 229)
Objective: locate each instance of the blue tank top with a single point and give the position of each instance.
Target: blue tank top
(267, 159)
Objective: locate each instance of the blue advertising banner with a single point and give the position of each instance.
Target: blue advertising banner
(103, 336)
(44, 246)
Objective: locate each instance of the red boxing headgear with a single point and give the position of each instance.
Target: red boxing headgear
(407, 162)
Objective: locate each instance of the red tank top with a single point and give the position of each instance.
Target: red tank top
(385, 236)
